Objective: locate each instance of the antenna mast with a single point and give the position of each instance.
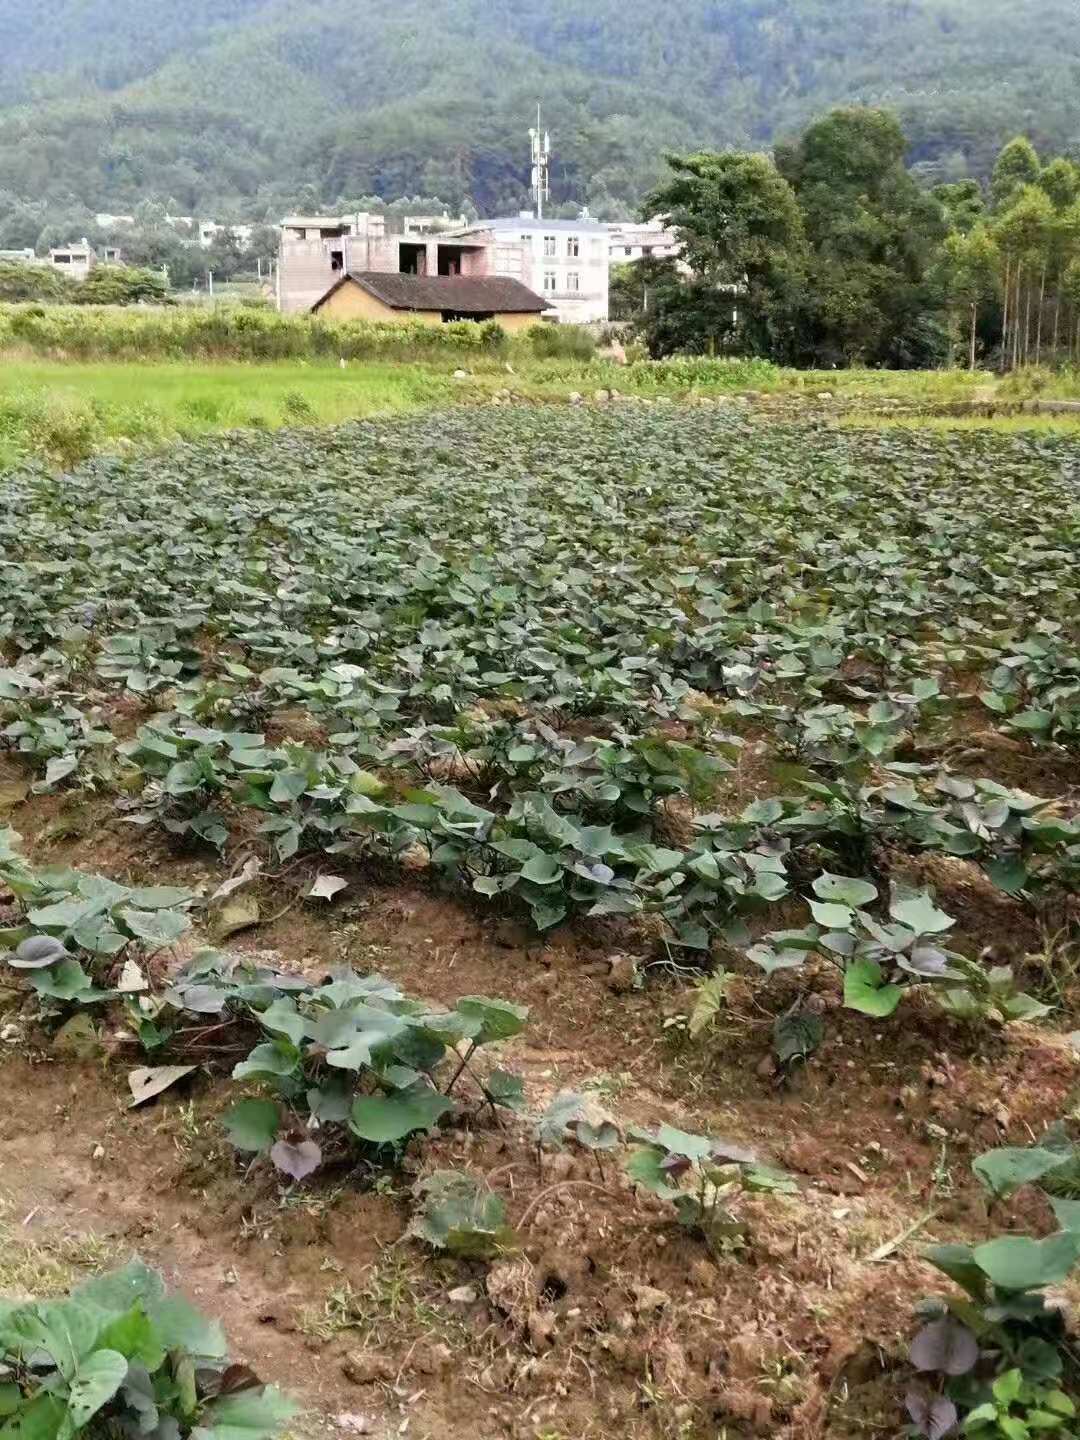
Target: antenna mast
(541, 164)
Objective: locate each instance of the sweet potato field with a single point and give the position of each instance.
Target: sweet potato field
(559, 923)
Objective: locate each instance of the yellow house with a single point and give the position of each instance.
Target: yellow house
(431, 299)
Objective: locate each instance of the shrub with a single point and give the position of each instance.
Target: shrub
(121, 1357)
(121, 285)
(22, 281)
(561, 342)
(88, 331)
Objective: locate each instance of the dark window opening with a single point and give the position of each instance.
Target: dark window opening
(337, 259)
(451, 316)
(412, 259)
(449, 261)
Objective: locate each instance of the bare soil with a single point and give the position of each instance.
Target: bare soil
(612, 1321)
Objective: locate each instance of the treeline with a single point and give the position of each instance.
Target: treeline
(105, 285)
(831, 253)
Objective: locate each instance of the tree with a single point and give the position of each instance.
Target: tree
(874, 236)
(964, 204)
(1023, 234)
(120, 285)
(1017, 165)
(742, 238)
(1061, 181)
(970, 276)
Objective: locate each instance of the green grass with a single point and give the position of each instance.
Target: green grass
(66, 411)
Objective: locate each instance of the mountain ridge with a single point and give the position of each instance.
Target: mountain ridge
(243, 105)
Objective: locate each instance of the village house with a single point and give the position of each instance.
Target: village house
(430, 299)
(75, 261)
(565, 261)
(317, 251)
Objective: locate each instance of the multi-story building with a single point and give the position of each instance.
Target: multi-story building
(641, 240)
(317, 250)
(565, 261)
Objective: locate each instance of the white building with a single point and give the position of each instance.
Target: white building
(209, 228)
(632, 240)
(565, 261)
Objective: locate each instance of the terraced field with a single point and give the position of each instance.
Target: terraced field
(581, 900)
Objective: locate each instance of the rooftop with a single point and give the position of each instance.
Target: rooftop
(530, 222)
(462, 294)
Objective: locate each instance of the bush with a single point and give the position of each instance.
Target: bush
(561, 342)
(121, 1357)
(22, 281)
(58, 424)
(121, 285)
(231, 332)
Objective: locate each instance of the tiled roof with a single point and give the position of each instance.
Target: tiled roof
(462, 294)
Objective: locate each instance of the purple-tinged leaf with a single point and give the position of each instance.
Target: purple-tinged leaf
(927, 960)
(933, 1415)
(945, 1346)
(38, 953)
(296, 1159)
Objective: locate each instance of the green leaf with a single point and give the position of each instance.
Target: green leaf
(844, 890)
(831, 917)
(255, 1414)
(1004, 1171)
(1017, 1262)
(283, 1018)
(644, 1165)
(542, 869)
(865, 989)
(96, 1381)
(134, 1336)
(506, 1089)
(383, 1120)
(157, 927)
(458, 1213)
(274, 1059)
(40, 1419)
(252, 1125)
(182, 1327)
(920, 914)
(493, 1019)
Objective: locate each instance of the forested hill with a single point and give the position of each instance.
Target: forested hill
(242, 104)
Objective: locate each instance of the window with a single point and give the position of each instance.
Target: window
(573, 282)
(550, 282)
(573, 247)
(337, 260)
(646, 250)
(629, 249)
(551, 247)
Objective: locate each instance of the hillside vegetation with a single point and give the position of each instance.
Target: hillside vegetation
(109, 102)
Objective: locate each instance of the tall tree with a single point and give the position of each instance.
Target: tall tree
(742, 238)
(873, 234)
(1017, 165)
(969, 274)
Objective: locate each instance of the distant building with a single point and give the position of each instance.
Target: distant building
(110, 222)
(19, 257)
(566, 261)
(430, 299)
(208, 229)
(75, 261)
(642, 240)
(317, 250)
